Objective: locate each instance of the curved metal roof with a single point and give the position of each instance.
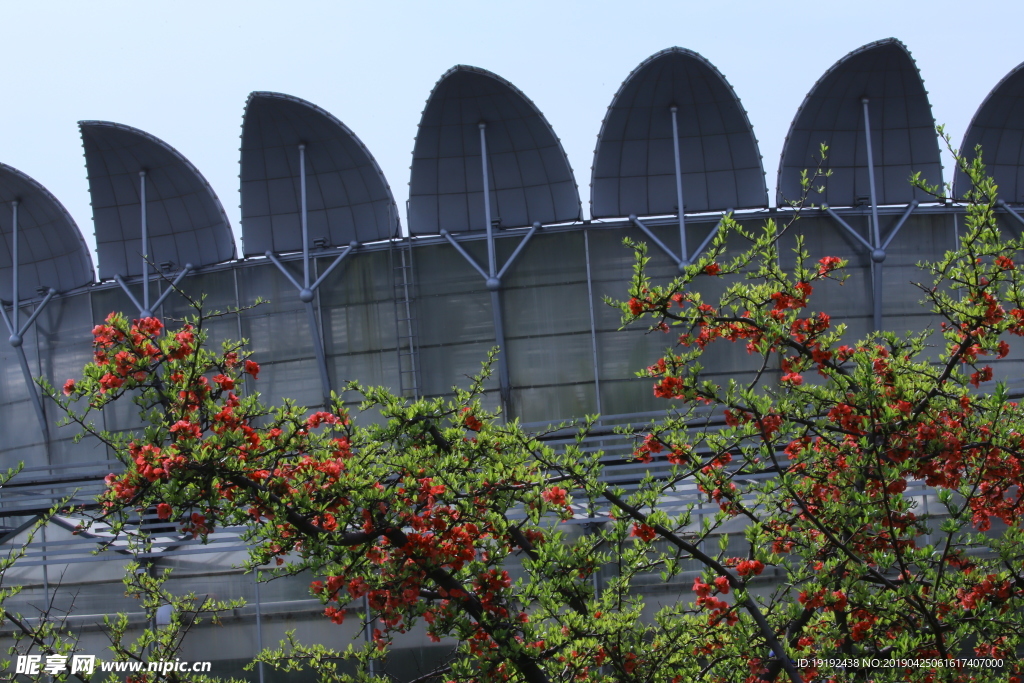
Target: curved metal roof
(347, 196)
(185, 220)
(51, 250)
(902, 130)
(529, 173)
(998, 126)
(634, 165)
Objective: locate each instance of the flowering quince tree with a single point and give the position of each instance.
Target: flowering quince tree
(441, 514)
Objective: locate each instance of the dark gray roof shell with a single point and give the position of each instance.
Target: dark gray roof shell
(530, 177)
(998, 126)
(634, 165)
(185, 220)
(51, 249)
(347, 197)
(903, 134)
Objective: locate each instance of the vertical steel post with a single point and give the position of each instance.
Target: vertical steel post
(145, 247)
(491, 269)
(14, 324)
(878, 254)
(305, 224)
(876, 234)
(499, 339)
(493, 282)
(593, 324)
(321, 358)
(259, 619)
(15, 311)
(684, 254)
(371, 663)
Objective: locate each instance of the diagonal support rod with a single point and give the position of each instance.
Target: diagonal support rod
(877, 252)
(686, 259)
(17, 330)
(679, 181)
(17, 342)
(307, 291)
(494, 285)
(146, 311)
(1009, 209)
(306, 295)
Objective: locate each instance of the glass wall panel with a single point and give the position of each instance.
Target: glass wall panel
(445, 366)
(359, 328)
(553, 404)
(216, 291)
(298, 380)
(377, 368)
(360, 278)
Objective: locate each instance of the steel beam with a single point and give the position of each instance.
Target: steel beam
(876, 232)
(899, 224)
(1010, 210)
(856, 235)
(145, 311)
(515, 254)
(16, 263)
(711, 235)
(174, 283)
(16, 342)
(493, 282)
(679, 183)
(465, 254)
(303, 217)
(654, 238)
(491, 267)
(17, 330)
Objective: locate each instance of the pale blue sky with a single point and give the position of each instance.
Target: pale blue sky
(182, 70)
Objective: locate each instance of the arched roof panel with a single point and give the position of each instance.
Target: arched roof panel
(347, 197)
(529, 174)
(998, 126)
(51, 249)
(634, 164)
(903, 135)
(185, 220)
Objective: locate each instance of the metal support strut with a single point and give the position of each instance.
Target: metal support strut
(18, 330)
(876, 247)
(679, 182)
(307, 291)
(1009, 209)
(493, 276)
(877, 251)
(876, 257)
(683, 259)
(146, 307)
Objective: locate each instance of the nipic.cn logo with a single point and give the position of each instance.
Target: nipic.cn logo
(33, 665)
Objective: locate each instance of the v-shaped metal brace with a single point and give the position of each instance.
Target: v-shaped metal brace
(18, 330)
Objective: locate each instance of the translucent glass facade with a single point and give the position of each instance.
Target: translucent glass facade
(412, 314)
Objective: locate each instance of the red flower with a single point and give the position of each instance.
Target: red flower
(164, 511)
(252, 368)
(748, 567)
(644, 532)
(555, 495)
(224, 382)
(712, 269)
(69, 387)
(828, 264)
(471, 421)
(108, 382)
